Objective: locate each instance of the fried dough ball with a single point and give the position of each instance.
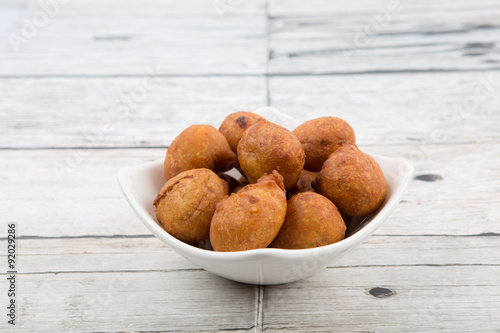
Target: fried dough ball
(251, 218)
(186, 203)
(265, 147)
(352, 180)
(199, 146)
(235, 124)
(320, 137)
(311, 221)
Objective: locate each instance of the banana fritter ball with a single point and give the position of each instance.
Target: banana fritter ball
(311, 221)
(235, 124)
(186, 203)
(352, 180)
(320, 137)
(265, 147)
(251, 218)
(199, 146)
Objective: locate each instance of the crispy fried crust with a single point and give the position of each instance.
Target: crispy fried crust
(199, 146)
(251, 218)
(186, 203)
(352, 180)
(311, 221)
(235, 124)
(320, 137)
(265, 147)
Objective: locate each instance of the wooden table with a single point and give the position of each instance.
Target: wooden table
(88, 87)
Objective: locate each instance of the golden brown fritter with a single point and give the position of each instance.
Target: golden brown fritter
(199, 146)
(320, 137)
(251, 218)
(265, 147)
(186, 203)
(311, 221)
(352, 180)
(235, 124)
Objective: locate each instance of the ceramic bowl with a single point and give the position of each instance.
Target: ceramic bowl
(140, 185)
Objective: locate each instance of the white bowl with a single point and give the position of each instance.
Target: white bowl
(140, 185)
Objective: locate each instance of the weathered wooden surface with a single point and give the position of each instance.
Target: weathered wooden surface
(108, 84)
(88, 38)
(121, 112)
(427, 299)
(189, 300)
(320, 37)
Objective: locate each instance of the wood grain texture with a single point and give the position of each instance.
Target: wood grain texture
(94, 38)
(383, 36)
(423, 108)
(462, 202)
(187, 301)
(117, 112)
(427, 299)
(114, 112)
(69, 192)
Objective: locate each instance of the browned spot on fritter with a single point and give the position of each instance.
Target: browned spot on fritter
(252, 199)
(242, 122)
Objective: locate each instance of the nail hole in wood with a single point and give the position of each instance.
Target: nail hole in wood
(380, 292)
(429, 178)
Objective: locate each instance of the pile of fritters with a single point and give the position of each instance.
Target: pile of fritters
(297, 189)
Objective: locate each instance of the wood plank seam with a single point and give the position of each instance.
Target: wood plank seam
(259, 309)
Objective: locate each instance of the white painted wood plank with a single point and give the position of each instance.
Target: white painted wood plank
(61, 193)
(424, 108)
(427, 299)
(323, 37)
(298, 8)
(187, 301)
(120, 254)
(392, 250)
(436, 298)
(465, 201)
(117, 112)
(86, 200)
(166, 8)
(93, 38)
(398, 108)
